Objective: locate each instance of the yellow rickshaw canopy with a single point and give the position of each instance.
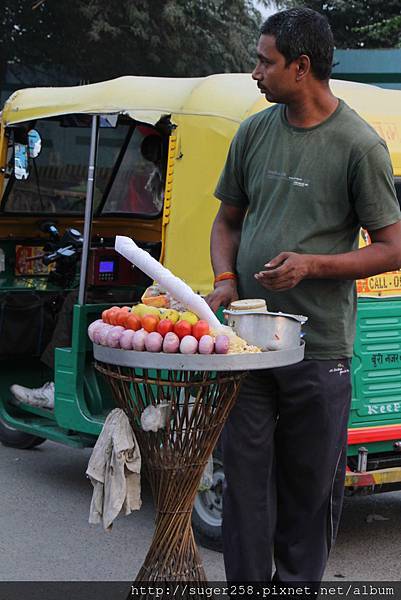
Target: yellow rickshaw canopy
(230, 96)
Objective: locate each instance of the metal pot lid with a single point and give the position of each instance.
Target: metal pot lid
(238, 313)
(248, 304)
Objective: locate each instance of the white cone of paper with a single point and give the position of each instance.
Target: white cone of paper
(172, 284)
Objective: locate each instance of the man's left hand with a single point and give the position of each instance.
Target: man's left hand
(285, 271)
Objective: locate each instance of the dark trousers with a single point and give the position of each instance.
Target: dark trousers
(284, 454)
(62, 333)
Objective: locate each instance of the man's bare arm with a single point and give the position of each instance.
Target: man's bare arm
(224, 243)
(287, 269)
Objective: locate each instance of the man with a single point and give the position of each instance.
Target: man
(300, 179)
(146, 185)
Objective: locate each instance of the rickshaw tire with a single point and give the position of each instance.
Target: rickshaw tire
(206, 536)
(18, 439)
(206, 526)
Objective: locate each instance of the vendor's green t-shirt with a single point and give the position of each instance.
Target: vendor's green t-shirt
(308, 191)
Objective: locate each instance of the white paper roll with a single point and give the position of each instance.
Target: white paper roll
(172, 284)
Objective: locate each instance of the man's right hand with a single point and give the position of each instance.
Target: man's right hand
(224, 293)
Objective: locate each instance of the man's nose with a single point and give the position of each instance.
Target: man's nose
(256, 74)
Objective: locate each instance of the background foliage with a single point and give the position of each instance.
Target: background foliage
(358, 23)
(91, 40)
(101, 39)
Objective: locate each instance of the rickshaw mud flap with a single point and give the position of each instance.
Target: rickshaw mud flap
(373, 478)
(46, 428)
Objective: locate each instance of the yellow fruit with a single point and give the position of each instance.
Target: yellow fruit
(189, 316)
(151, 310)
(170, 313)
(142, 309)
(137, 309)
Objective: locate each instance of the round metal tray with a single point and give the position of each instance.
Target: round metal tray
(199, 362)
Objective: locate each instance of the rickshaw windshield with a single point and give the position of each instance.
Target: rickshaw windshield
(129, 178)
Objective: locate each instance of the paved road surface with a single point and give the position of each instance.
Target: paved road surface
(45, 535)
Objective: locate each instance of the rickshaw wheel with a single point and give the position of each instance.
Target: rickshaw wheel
(18, 439)
(207, 511)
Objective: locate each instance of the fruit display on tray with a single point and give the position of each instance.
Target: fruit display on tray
(159, 329)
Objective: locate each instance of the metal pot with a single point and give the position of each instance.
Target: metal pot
(268, 330)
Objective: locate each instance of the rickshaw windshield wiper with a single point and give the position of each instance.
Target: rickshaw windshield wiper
(9, 187)
(7, 191)
(116, 168)
(35, 168)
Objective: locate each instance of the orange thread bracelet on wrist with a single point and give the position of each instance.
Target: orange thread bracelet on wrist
(224, 276)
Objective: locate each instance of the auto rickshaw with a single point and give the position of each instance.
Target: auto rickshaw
(73, 175)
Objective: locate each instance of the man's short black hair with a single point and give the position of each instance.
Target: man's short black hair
(303, 31)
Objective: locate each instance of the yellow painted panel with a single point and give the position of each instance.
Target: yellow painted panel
(378, 286)
(202, 145)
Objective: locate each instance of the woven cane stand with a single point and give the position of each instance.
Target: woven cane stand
(174, 457)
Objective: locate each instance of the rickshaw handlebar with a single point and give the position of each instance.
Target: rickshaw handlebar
(66, 252)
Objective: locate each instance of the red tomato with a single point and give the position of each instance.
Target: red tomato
(182, 328)
(126, 308)
(133, 322)
(149, 323)
(165, 326)
(112, 315)
(122, 317)
(106, 314)
(200, 328)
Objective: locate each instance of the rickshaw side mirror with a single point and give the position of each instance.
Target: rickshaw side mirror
(27, 144)
(21, 170)
(34, 143)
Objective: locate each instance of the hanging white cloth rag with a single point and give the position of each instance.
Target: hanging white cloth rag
(114, 470)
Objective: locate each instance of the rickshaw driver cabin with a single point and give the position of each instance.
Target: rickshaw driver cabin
(203, 114)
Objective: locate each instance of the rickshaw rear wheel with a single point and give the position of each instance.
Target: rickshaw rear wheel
(208, 508)
(18, 439)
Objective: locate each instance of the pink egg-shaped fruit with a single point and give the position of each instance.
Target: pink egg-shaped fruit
(206, 344)
(126, 339)
(221, 344)
(154, 342)
(138, 340)
(113, 336)
(189, 345)
(171, 343)
(101, 334)
(96, 334)
(92, 328)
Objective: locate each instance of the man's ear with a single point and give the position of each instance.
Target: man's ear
(303, 66)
